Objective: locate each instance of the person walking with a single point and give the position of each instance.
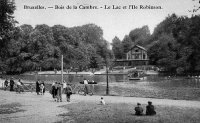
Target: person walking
(68, 92)
(12, 84)
(38, 87)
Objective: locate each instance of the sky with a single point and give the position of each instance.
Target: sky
(114, 22)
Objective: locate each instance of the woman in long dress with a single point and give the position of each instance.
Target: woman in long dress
(37, 87)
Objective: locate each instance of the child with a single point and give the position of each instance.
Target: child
(102, 101)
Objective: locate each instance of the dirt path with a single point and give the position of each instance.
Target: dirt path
(42, 109)
(38, 108)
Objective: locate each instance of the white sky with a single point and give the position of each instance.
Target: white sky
(113, 22)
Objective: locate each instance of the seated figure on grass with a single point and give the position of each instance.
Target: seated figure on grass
(150, 109)
(138, 109)
(102, 102)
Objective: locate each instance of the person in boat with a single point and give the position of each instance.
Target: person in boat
(138, 109)
(150, 109)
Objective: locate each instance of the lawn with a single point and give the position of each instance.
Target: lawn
(84, 112)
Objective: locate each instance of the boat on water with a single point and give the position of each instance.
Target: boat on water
(136, 74)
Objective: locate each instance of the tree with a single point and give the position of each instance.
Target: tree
(127, 44)
(140, 35)
(117, 48)
(196, 7)
(175, 44)
(7, 24)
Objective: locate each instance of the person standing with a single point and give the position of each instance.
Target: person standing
(59, 92)
(64, 86)
(19, 86)
(54, 91)
(5, 84)
(42, 88)
(12, 84)
(85, 82)
(38, 87)
(68, 92)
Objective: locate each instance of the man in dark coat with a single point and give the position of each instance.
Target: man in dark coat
(59, 92)
(12, 84)
(38, 87)
(54, 90)
(5, 84)
(150, 110)
(68, 92)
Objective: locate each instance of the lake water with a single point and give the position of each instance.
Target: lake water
(154, 86)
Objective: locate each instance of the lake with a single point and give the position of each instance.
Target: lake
(154, 86)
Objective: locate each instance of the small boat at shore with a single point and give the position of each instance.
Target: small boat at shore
(136, 74)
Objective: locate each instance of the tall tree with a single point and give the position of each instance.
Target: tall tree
(117, 48)
(7, 24)
(140, 35)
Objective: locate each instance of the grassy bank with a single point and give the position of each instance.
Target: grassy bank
(10, 108)
(84, 112)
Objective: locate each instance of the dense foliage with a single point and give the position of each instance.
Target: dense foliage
(26, 48)
(175, 44)
(41, 48)
(7, 25)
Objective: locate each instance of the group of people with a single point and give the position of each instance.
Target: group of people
(14, 86)
(150, 109)
(58, 88)
(40, 87)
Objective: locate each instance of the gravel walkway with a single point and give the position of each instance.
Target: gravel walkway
(42, 108)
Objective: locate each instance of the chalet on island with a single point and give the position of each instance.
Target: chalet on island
(136, 56)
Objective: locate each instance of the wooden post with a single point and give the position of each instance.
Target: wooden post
(62, 68)
(107, 86)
